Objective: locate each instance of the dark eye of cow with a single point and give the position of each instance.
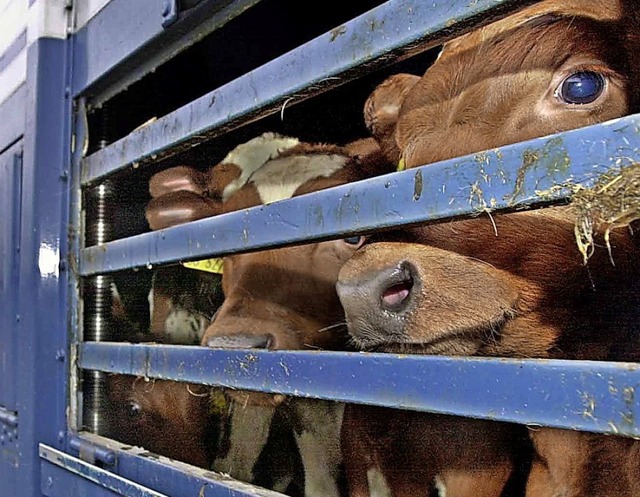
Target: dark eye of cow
(581, 87)
(135, 410)
(355, 241)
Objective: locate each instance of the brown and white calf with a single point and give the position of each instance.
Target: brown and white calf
(554, 66)
(276, 299)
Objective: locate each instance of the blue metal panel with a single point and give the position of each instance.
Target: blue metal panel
(153, 474)
(379, 36)
(10, 183)
(13, 111)
(507, 177)
(115, 45)
(584, 395)
(41, 389)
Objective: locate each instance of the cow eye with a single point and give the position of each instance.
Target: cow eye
(355, 241)
(581, 87)
(135, 410)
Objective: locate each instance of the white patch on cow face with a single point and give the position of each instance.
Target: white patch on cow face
(284, 176)
(184, 328)
(250, 156)
(150, 299)
(440, 487)
(319, 445)
(249, 429)
(378, 486)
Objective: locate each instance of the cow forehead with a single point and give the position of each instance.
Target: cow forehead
(602, 10)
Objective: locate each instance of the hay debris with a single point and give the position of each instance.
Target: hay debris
(613, 202)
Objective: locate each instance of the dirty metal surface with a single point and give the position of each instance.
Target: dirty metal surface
(536, 171)
(157, 474)
(53, 483)
(396, 29)
(583, 395)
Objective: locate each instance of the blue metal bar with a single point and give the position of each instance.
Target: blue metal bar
(91, 452)
(160, 476)
(110, 481)
(582, 395)
(516, 175)
(396, 29)
(42, 327)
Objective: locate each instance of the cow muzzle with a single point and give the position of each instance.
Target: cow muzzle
(376, 302)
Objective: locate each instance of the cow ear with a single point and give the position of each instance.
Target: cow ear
(179, 207)
(382, 108)
(178, 178)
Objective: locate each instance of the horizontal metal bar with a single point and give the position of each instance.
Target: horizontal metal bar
(89, 452)
(539, 170)
(105, 479)
(173, 478)
(395, 29)
(583, 395)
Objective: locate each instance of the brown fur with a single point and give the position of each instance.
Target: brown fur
(496, 86)
(165, 417)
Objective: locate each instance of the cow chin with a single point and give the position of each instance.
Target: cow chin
(450, 345)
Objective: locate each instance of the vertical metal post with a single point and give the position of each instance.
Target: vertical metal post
(97, 291)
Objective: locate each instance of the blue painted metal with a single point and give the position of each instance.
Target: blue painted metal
(514, 175)
(13, 111)
(395, 29)
(41, 384)
(126, 41)
(13, 50)
(114, 483)
(170, 13)
(584, 395)
(90, 452)
(156, 474)
(11, 175)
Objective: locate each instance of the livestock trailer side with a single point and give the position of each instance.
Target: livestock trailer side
(97, 96)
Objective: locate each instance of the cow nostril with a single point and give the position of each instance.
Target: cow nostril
(396, 294)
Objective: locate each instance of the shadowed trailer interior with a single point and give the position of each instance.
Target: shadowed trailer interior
(256, 247)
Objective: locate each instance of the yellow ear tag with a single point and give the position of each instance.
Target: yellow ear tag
(208, 265)
(401, 165)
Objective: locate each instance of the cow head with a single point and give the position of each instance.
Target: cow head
(165, 417)
(282, 298)
(554, 66)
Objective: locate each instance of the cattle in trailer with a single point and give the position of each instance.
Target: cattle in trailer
(276, 299)
(554, 66)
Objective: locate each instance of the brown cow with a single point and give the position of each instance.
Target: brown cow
(192, 423)
(554, 66)
(166, 417)
(278, 299)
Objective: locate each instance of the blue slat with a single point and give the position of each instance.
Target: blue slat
(584, 395)
(152, 476)
(381, 35)
(515, 175)
(116, 485)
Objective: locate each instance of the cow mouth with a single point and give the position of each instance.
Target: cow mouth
(395, 297)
